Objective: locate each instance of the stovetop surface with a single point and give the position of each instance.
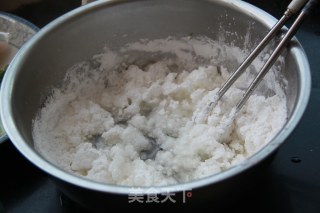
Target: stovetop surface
(292, 182)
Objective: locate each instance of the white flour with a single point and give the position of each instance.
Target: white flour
(100, 125)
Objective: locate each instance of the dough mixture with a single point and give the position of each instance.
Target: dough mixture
(132, 123)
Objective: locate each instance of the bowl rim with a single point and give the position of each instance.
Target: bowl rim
(15, 18)
(26, 150)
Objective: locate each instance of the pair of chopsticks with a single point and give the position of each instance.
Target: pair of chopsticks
(292, 9)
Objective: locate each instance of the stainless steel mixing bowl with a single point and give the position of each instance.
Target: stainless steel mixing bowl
(14, 32)
(79, 34)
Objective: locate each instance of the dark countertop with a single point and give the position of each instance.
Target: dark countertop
(292, 182)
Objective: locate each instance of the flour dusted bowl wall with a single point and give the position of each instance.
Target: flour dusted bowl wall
(78, 35)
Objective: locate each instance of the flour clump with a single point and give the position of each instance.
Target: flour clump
(121, 120)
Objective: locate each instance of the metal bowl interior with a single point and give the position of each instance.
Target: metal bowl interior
(78, 35)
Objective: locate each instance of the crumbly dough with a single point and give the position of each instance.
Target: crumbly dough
(102, 127)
